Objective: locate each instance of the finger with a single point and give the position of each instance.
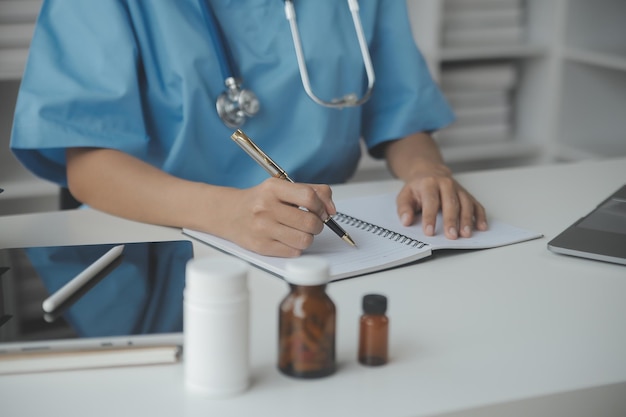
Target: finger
(271, 247)
(450, 208)
(275, 237)
(300, 219)
(281, 203)
(299, 195)
(294, 237)
(306, 196)
(431, 202)
(406, 206)
(467, 216)
(325, 194)
(261, 237)
(480, 217)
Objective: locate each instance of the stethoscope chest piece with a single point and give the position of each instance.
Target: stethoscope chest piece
(235, 104)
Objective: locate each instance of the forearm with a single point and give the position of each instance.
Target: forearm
(414, 154)
(265, 218)
(122, 185)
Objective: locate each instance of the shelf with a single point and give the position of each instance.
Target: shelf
(19, 11)
(492, 52)
(16, 35)
(613, 61)
(12, 62)
(17, 22)
(596, 26)
(23, 191)
(25, 188)
(514, 149)
(28, 196)
(592, 109)
(602, 151)
(459, 158)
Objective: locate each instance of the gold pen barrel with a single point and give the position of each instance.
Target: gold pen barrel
(258, 155)
(277, 172)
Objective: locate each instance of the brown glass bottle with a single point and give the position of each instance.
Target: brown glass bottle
(307, 319)
(374, 331)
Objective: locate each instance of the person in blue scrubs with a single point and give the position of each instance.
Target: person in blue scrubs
(117, 102)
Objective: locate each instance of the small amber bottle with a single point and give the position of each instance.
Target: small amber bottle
(374, 331)
(307, 320)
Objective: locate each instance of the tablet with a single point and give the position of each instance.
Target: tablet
(600, 235)
(135, 300)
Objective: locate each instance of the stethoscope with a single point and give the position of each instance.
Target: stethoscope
(236, 104)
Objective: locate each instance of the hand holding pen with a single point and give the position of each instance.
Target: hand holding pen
(277, 172)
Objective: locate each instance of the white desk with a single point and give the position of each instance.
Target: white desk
(510, 331)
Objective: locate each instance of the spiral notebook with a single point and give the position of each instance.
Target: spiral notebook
(382, 241)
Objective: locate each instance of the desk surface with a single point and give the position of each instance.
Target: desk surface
(515, 330)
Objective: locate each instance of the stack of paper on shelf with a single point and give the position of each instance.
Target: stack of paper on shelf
(480, 95)
(475, 23)
(17, 23)
(16, 35)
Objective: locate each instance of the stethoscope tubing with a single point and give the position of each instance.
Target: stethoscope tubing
(230, 104)
(217, 39)
(349, 100)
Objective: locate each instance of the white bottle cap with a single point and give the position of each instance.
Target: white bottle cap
(308, 271)
(214, 277)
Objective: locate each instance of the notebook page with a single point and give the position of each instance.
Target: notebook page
(381, 209)
(373, 252)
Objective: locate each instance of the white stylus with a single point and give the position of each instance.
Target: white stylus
(69, 289)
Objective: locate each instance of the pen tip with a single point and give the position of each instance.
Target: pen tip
(349, 240)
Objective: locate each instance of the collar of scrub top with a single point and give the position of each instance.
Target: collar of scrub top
(351, 99)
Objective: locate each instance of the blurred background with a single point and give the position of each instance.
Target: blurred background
(531, 82)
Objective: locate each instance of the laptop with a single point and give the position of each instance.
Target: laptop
(600, 235)
(135, 300)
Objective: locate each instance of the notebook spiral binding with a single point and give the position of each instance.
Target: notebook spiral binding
(378, 230)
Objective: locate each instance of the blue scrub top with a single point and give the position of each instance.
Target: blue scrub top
(143, 77)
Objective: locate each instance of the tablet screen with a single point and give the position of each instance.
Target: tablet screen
(138, 293)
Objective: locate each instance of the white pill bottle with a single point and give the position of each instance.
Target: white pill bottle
(216, 326)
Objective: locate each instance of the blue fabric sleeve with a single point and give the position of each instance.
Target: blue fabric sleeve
(81, 80)
(406, 99)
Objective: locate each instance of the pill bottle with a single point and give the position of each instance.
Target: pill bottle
(374, 331)
(216, 326)
(307, 320)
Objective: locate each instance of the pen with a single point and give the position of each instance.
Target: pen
(66, 291)
(276, 171)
